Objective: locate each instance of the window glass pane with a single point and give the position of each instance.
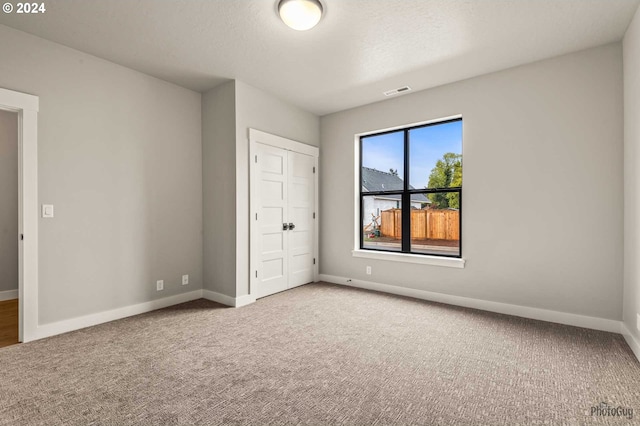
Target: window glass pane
(383, 162)
(436, 156)
(382, 222)
(435, 230)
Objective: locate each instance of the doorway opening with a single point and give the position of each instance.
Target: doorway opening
(25, 241)
(9, 235)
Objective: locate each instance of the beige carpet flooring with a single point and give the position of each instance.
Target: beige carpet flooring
(319, 354)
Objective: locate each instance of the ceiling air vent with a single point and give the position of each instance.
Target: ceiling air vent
(397, 91)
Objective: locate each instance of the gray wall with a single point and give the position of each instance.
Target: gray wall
(8, 200)
(120, 157)
(632, 175)
(228, 111)
(262, 111)
(542, 223)
(219, 188)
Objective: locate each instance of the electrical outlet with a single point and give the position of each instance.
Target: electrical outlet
(160, 285)
(368, 270)
(638, 322)
(185, 279)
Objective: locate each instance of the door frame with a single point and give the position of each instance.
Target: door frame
(255, 137)
(27, 107)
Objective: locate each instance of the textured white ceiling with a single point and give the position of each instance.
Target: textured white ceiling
(360, 48)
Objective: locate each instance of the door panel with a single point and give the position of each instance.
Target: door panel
(301, 208)
(271, 202)
(284, 194)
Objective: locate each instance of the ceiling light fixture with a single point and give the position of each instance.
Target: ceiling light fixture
(300, 15)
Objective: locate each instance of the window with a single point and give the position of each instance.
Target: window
(411, 190)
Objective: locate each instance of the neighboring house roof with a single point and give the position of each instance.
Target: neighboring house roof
(375, 180)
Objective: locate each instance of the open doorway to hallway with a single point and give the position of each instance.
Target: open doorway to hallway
(9, 233)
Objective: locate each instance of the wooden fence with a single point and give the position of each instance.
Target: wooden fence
(425, 224)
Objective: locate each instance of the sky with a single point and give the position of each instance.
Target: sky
(427, 145)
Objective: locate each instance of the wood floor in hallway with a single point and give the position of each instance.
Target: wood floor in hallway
(8, 322)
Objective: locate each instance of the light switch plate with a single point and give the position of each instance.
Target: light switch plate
(47, 210)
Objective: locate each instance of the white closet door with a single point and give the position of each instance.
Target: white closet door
(271, 199)
(301, 210)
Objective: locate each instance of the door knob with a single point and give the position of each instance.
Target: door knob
(291, 226)
(285, 227)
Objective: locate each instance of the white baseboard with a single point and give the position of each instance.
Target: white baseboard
(245, 300)
(219, 297)
(631, 340)
(236, 302)
(47, 330)
(594, 323)
(8, 295)
(52, 329)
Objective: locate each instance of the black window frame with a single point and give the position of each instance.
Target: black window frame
(406, 194)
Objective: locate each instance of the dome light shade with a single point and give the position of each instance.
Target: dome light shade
(300, 15)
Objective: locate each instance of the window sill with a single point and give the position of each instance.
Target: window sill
(450, 262)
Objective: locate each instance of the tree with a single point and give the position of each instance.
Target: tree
(446, 174)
